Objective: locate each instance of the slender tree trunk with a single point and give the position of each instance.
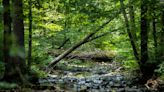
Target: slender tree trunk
(7, 40)
(30, 35)
(161, 56)
(133, 28)
(131, 38)
(132, 20)
(155, 37)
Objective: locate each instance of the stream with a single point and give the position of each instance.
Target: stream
(96, 77)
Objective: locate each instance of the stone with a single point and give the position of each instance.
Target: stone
(111, 83)
(88, 84)
(97, 81)
(81, 82)
(118, 79)
(95, 86)
(117, 85)
(60, 81)
(88, 80)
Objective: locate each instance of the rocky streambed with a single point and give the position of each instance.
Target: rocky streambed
(98, 78)
(95, 83)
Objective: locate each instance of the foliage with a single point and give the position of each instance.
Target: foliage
(5, 85)
(40, 73)
(160, 70)
(130, 65)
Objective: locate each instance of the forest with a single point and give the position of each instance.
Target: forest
(81, 46)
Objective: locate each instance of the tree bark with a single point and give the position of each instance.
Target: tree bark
(18, 30)
(147, 68)
(60, 57)
(133, 29)
(161, 56)
(155, 37)
(132, 20)
(131, 38)
(30, 35)
(144, 32)
(7, 40)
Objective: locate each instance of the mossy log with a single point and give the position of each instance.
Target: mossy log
(96, 55)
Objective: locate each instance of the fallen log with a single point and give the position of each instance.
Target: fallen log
(96, 55)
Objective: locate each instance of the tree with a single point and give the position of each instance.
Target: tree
(144, 32)
(161, 43)
(155, 35)
(16, 68)
(6, 39)
(130, 30)
(147, 68)
(18, 30)
(30, 34)
(7, 29)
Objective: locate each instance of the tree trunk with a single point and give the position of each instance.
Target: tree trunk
(7, 39)
(131, 38)
(18, 30)
(133, 30)
(147, 69)
(161, 55)
(144, 32)
(154, 37)
(30, 35)
(132, 20)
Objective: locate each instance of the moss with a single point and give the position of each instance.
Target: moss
(5, 85)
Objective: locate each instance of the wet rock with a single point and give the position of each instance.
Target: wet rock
(97, 81)
(117, 85)
(111, 83)
(132, 90)
(123, 83)
(81, 82)
(95, 86)
(89, 79)
(119, 78)
(89, 85)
